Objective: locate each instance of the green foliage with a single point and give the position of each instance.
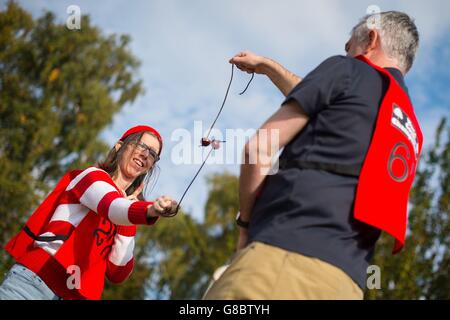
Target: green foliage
(58, 89)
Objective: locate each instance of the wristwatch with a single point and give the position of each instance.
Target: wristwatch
(240, 222)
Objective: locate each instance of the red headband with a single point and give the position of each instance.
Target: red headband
(143, 128)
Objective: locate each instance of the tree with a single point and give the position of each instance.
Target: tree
(58, 89)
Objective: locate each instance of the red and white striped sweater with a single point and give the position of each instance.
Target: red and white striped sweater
(87, 223)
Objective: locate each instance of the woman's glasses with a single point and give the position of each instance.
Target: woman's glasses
(146, 150)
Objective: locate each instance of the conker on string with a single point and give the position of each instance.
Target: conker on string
(205, 142)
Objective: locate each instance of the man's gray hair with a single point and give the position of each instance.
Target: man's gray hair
(398, 34)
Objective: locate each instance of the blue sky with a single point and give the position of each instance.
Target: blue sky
(184, 47)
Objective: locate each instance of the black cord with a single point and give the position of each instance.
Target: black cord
(223, 103)
(207, 136)
(192, 181)
(253, 75)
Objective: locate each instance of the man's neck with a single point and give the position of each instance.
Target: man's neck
(383, 61)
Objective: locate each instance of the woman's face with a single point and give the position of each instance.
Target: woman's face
(139, 157)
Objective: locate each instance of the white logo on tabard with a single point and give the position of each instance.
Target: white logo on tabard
(401, 121)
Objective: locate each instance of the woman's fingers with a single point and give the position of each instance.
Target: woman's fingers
(166, 198)
(165, 205)
(157, 207)
(160, 205)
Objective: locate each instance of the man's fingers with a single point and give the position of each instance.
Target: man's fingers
(244, 66)
(239, 60)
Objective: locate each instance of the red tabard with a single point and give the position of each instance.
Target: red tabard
(390, 165)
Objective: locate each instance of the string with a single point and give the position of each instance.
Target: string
(253, 75)
(192, 181)
(207, 136)
(223, 103)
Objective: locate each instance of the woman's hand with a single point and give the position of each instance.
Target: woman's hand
(163, 207)
(249, 62)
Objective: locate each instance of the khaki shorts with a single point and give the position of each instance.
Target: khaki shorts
(264, 272)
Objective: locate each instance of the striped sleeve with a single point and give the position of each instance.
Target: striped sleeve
(121, 261)
(94, 189)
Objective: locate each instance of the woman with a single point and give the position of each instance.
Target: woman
(84, 230)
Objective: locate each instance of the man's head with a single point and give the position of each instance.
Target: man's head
(389, 39)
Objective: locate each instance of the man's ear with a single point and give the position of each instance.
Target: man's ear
(118, 145)
(374, 40)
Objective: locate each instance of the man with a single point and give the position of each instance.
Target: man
(309, 231)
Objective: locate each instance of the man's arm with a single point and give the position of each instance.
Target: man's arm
(289, 120)
(282, 78)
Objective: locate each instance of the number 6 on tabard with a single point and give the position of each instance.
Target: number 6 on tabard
(394, 156)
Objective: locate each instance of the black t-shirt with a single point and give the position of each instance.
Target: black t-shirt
(311, 211)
